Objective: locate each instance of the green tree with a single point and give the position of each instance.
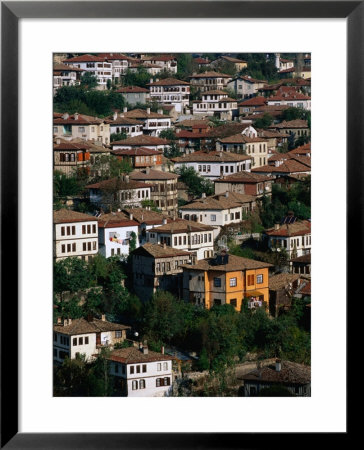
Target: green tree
(264, 122)
(118, 137)
(197, 185)
(70, 275)
(88, 81)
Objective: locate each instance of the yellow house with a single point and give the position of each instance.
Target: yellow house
(227, 279)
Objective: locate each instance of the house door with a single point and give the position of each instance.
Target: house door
(98, 338)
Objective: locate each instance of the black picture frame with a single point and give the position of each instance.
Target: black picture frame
(11, 12)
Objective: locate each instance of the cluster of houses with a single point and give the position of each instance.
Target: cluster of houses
(175, 246)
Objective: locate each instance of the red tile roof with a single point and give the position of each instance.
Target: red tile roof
(68, 216)
(297, 228)
(254, 101)
(141, 141)
(132, 90)
(210, 74)
(169, 82)
(85, 58)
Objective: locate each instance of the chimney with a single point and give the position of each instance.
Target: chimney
(278, 365)
(131, 216)
(65, 322)
(103, 318)
(59, 320)
(58, 141)
(276, 226)
(164, 221)
(115, 116)
(226, 194)
(220, 154)
(69, 321)
(65, 116)
(127, 178)
(164, 245)
(75, 116)
(203, 195)
(148, 110)
(151, 80)
(125, 109)
(145, 350)
(162, 350)
(147, 170)
(156, 80)
(160, 111)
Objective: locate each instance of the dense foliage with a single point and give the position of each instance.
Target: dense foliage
(197, 185)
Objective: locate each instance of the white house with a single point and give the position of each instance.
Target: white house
(245, 86)
(218, 210)
(213, 165)
(170, 91)
(216, 103)
(75, 126)
(120, 124)
(142, 140)
(208, 81)
(141, 373)
(154, 122)
(186, 235)
(291, 99)
(292, 235)
(115, 233)
(96, 66)
(64, 75)
(118, 192)
(254, 147)
(119, 63)
(74, 337)
(165, 62)
(75, 235)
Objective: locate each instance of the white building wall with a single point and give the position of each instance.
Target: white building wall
(87, 349)
(74, 238)
(120, 240)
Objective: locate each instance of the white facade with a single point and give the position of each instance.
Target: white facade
(215, 169)
(295, 246)
(177, 95)
(102, 70)
(199, 243)
(291, 102)
(213, 217)
(212, 103)
(77, 239)
(115, 241)
(144, 379)
(128, 197)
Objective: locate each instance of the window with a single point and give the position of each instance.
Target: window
(165, 366)
(259, 279)
(217, 282)
(94, 228)
(80, 341)
(63, 248)
(213, 217)
(83, 229)
(134, 385)
(74, 341)
(233, 302)
(142, 384)
(217, 301)
(86, 340)
(68, 247)
(62, 231)
(144, 368)
(118, 334)
(74, 247)
(116, 368)
(167, 381)
(250, 280)
(158, 382)
(131, 369)
(233, 282)
(159, 367)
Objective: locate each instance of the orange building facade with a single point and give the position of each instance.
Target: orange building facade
(227, 279)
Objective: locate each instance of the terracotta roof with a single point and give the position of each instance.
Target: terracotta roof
(302, 150)
(66, 68)
(118, 184)
(227, 129)
(147, 216)
(122, 120)
(71, 146)
(169, 82)
(305, 259)
(282, 280)
(141, 141)
(249, 79)
(132, 89)
(159, 251)
(158, 58)
(287, 96)
(193, 122)
(233, 60)
(142, 114)
(222, 157)
(214, 92)
(243, 177)
(219, 202)
(68, 216)
(82, 326)
(254, 101)
(240, 139)
(181, 226)
(85, 58)
(234, 263)
(201, 61)
(81, 120)
(271, 134)
(133, 355)
(291, 165)
(115, 219)
(115, 56)
(290, 373)
(291, 69)
(91, 146)
(306, 289)
(150, 174)
(298, 228)
(210, 74)
(139, 151)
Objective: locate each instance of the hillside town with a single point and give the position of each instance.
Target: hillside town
(182, 224)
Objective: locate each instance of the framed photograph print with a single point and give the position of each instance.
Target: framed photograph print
(157, 203)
